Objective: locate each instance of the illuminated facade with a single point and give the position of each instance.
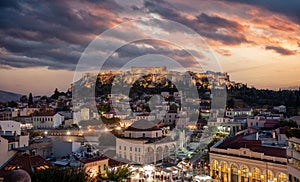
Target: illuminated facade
(95, 166)
(241, 160)
(143, 143)
(293, 154)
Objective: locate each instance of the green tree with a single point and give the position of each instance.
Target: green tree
(30, 99)
(34, 134)
(119, 174)
(173, 107)
(61, 174)
(293, 133)
(289, 123)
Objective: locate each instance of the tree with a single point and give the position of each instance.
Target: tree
(34, 134)
(30, 99)
(293, 133)
(12, 104)
(173, 107)
(290, 123)
(119, 174)
(230, 103)
(23, 99)
(61, 174)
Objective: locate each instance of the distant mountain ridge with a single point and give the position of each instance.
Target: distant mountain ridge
(9, 96)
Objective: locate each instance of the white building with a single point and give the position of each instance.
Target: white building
(10, 127)
(281, 108)
(239, 111)
(10, 140)
(47, 120)
(145, 116)
(143, 143)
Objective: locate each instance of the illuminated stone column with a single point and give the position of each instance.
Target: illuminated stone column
(229, 175)
(239, 176)
(250, 177)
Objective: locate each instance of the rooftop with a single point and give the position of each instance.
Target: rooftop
(143, 125)
(239, 141)
(27, 163)
(89, 160)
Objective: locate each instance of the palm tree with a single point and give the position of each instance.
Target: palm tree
(116, 174)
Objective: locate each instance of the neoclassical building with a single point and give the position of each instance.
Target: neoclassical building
(244, 159)
(144, 143)
(293, 154)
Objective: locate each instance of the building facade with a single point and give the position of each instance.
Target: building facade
(143, 143)
(95, 166)
(239, 160)
(293, 155)
(47, 120)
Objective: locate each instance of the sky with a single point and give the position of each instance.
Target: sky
(256, 42)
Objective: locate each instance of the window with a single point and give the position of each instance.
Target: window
(245, 174)
(144, 134)
(120, 147)
(130, 148)
(256, 176)
(124, 147)
(10, 146)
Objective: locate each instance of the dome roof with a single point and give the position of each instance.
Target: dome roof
(143, 125)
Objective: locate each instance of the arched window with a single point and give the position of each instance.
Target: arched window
(245, 174)
(270, 175)
(224, 171)
(282, 177)
(215, 171)
(256, 175)
(234, 173)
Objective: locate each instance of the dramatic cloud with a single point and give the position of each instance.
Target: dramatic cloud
(140, 48)
(51, 34)
(289, 8)
(212, 27)
(280, 50)
(54, 34)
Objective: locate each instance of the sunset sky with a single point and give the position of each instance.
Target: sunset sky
(257, 42)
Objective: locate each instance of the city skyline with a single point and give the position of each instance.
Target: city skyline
(256, 42)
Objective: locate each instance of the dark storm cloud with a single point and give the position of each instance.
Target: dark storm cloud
(290, 8)
(204, 24)
(216, 22)
(50, 33)
(144, 47)
(281, 50)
